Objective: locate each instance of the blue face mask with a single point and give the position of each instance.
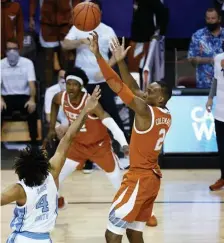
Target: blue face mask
(12, 57)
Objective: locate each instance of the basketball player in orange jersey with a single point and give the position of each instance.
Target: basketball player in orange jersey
(133, 203)
(93, 141)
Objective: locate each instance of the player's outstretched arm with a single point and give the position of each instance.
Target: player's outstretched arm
(119, 52)
(57, 161)
(11, 194)
(116, 84)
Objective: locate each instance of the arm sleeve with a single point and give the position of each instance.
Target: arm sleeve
(115, 83)
(115, 130)
(213, 89)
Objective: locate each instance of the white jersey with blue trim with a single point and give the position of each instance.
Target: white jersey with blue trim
(40, 211)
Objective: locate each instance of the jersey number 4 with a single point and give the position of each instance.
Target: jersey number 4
(43, 203)
(159, 143)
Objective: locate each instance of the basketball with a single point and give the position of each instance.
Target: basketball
(87, 16)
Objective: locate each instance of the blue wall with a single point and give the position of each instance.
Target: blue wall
(186, 16)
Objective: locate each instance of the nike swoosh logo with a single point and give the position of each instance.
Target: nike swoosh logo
(100, 144)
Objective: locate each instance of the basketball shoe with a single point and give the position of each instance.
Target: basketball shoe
(62, 204)
(217, 185)
(88, 168)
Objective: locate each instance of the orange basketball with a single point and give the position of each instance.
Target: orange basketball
(87, 16)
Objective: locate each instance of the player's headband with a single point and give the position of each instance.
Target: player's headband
(76, 78)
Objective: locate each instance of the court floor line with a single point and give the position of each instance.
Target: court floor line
(157, 202)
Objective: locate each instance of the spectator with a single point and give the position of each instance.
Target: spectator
(143, 28)
(143, 25)
(205, 44)
(219, 5)
(218, 90)
(62, 121)
(11, 24)
(18, 89)
(55, 24)
(77, 39)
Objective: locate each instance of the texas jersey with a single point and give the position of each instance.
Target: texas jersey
(39, 213)
(146, 145)
(93, 131)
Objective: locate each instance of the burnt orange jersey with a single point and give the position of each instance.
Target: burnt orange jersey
(145, 146)
(93, 131)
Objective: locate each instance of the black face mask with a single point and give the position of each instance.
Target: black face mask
(212, 27)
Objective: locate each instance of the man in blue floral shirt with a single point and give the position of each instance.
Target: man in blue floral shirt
(205, 44)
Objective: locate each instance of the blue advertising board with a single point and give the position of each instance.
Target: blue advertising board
(192, 129)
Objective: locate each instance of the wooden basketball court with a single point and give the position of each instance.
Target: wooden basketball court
(187, 211)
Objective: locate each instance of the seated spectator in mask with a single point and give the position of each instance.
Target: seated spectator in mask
(18, 90)
(205, 44)
(62, 121)
(54, 25)
(11, 24)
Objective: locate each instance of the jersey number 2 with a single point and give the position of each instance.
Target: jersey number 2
(159, 143)
(43, 203)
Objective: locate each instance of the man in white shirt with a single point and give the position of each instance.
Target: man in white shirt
(218, 90)
(62, 121)
(77, 39)
(18, 90)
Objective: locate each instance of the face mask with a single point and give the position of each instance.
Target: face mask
(13, 57)
(212, 27)
(62, 84)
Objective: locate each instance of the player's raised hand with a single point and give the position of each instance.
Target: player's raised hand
(118, 50)
(93, 43)
(92, 101)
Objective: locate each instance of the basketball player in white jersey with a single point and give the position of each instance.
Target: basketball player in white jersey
(36, 193)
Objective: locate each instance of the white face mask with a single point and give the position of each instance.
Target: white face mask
(12, 57)
(62, 84)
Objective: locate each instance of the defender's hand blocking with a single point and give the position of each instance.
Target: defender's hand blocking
(118, 50)
(93, 43)
(92, 101)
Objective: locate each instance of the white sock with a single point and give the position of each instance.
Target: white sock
(69, 167)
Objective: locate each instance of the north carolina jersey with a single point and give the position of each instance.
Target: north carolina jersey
(39, 213)
(93, 131)
(145, 146)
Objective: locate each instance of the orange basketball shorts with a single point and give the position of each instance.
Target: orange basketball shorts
(101, 153)
(132, 206)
